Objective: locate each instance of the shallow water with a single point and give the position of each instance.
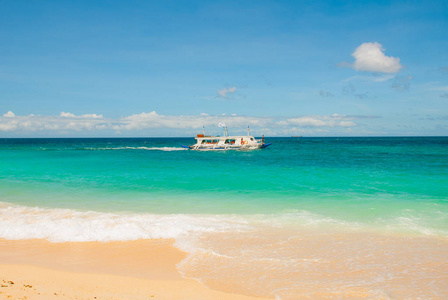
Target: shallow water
(304, 215)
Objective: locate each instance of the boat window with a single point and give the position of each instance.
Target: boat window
(230, 141)
(208, 142)
(251, 139)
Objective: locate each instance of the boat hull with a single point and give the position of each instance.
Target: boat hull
(220, 148)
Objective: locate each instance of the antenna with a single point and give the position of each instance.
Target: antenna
(223, 125)
(248, 130)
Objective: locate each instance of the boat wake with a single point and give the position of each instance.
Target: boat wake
(142, 148)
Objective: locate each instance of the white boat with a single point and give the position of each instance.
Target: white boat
(226, 142)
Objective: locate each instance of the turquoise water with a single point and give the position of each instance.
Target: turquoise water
(259, 201)
(352, 179)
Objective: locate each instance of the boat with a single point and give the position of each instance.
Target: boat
(226, 142)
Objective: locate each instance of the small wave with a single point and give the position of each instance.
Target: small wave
(65, 225)
(404, 222)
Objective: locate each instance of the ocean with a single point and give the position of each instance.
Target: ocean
(343, 217)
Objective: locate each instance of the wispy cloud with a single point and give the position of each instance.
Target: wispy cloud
(334, 120)
(87, 116)
(223, 93)
(370, 57)
(154, 120)
(325, 94)
(351, 90)
(444, 70)
(67, 122)
(383, 78)
(70, 122)
(63, 122)
(440, 88)
(402, 83)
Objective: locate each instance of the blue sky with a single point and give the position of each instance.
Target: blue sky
(166, 68)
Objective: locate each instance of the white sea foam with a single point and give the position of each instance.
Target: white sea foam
(65, 225)
(142, 148)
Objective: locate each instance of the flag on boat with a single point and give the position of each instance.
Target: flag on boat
(222, 124)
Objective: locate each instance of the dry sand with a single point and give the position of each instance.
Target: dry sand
(144, 269)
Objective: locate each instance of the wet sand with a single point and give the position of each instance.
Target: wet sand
(310, 265)
(317, 264)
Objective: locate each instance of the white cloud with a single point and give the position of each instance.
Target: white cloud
(370, 57)
(92, 116)
(9, 114)
(86, 116)
(439, 88)
(154, 120)
(224, 92)
(383, 78)
(67, 115)
(334, 120)
(65, 122)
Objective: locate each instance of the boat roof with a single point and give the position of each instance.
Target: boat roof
(223, 137)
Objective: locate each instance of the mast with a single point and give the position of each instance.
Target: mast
(248, 131)
(223, 125)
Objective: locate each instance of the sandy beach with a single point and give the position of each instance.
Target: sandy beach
(144, 269)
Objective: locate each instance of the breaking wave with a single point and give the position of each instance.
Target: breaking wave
(64, 225)
(67, 225)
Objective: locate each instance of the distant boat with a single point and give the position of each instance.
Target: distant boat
(237, 142)
(296, 136)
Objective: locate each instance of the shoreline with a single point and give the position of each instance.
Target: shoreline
(322, 265)
(142, 269)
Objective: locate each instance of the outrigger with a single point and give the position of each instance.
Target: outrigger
(226, 142)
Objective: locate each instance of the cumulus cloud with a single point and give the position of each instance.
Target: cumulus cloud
(66, 115)
(370, 57)
(9, 114)
(224, 92)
